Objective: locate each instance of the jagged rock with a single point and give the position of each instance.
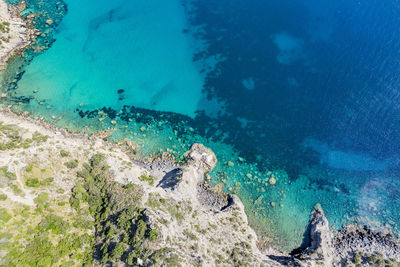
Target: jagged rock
(320, 235)
(356, 239)
(318, 247)
(203, 157)
(212, 197)
(128, 146)
(102, 134)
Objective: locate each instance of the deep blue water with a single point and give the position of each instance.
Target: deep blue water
(304, 90)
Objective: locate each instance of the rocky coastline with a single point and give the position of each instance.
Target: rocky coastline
(200, 224)
(210, 226)
(16, 33)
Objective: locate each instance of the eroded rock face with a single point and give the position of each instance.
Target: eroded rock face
(214, 197)
(203, 157)
(353, 244)
(367, 244)
(320, 249)
(321, 237)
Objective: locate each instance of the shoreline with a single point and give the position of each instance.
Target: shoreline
(187, 192)
(16, 33)
(324, 246)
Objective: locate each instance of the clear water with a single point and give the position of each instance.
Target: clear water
(305, 91)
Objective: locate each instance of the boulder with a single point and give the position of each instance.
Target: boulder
(202, 157)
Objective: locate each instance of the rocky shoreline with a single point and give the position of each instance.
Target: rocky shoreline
(353, 245)
(211, 229)
(16, 33)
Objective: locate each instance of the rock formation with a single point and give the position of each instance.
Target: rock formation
(14, 32)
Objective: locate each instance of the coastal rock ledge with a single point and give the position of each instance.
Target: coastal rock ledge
(15, 34)
(73, 199)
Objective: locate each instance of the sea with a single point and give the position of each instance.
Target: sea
(306, 92)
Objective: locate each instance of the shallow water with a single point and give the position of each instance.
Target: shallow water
(304, 91)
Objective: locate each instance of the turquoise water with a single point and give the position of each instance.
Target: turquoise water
(138, 47)
(304, 103)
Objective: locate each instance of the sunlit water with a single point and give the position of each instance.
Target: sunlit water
(304, 91)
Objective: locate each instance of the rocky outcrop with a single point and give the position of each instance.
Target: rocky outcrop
(321, 237)
(364, 245)
(214, 197)
(202, 157)
(14, 32)
(318, 240)
(353, 245)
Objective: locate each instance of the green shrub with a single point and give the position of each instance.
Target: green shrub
(96, 160)
(29, 168)
(47, 181)
(16, 189)
(118, 250)
(357, 258)
(153, 234)
(64, 153)
(60, 191)
(72, 164)
(32, 182)
(145, 178)
(189, 234)
(141, 228)
(54, 223)
(127, 186)
(40, 138)
(4, 215)
(41, 198)
(5, 173)
(3, 197)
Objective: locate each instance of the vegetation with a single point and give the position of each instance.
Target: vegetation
(13, 139)
(5, 27)
(122, 229)
(145, 178)
(64, 153)
(72, 164)
(49, 241)
(32, 182)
